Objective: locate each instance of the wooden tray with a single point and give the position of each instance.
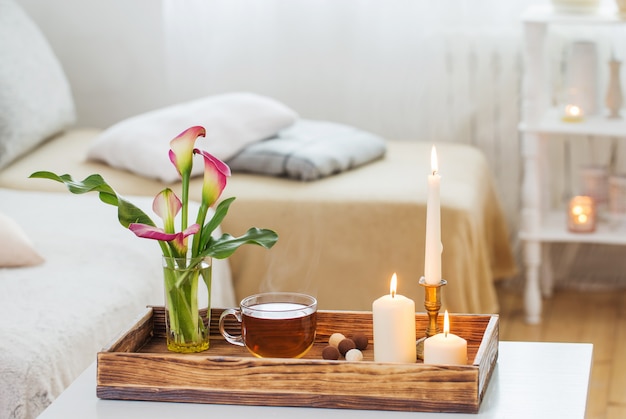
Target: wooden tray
(137, 366)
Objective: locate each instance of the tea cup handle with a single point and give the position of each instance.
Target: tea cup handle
(235, 340)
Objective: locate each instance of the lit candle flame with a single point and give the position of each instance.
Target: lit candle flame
(434, 166)
(393, 285)
(579, 214)
(574, 110)
(446, 324)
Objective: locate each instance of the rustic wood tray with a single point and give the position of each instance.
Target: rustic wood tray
(138, 366)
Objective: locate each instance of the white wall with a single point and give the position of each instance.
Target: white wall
(376, 64)
(112, 52)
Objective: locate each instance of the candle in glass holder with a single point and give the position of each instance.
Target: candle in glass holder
(581, 215)
(573, 113)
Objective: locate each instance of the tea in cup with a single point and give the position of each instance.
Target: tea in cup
(274, 324)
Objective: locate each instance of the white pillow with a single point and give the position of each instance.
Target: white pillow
(16, 248)
(35, 97)
(232, 121)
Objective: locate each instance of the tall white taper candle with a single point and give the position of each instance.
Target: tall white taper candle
(432, 259)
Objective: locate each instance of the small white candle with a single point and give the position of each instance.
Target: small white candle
(445, 348)
(432, 259)
(394, 327)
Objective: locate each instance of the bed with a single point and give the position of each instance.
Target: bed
(343, 236)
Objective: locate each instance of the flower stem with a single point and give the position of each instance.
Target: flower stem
(181, 276)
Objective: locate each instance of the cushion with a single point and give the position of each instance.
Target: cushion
(310, 150)
(233, 120)
(35, 96)
(16, 248)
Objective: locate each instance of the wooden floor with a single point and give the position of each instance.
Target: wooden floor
(597, 317)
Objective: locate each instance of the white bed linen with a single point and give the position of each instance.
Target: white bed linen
(96, 279)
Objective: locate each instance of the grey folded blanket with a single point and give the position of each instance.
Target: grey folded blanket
(310, 150)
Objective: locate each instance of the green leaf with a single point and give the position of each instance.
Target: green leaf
(220, 213)
(127, 213)
(226, 245)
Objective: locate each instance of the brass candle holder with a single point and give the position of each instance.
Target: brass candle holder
(432, 303)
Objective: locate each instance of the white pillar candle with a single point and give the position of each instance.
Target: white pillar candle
(432, 259)
(445, 348)
(394, 327)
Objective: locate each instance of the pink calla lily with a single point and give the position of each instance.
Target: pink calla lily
(181, 152)
(215, 174)
(181, 155)
(166, 205)
(156, 233)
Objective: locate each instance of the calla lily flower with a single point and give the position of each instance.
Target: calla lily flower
(177, 240)
(166, 205)
(181, 152)
(215, 174)
(181, 286)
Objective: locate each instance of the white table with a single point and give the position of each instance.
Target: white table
(531, 380)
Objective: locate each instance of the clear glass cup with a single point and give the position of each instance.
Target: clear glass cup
(274, 325)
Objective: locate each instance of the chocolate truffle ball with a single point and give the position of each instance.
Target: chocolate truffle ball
(360, 340)
(330, 352)
(345, 345)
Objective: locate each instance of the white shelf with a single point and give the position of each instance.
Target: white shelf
(552, 123)
(546, 14)
(610, 230)
(539, 124)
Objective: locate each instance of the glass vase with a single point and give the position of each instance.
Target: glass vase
(187, 303)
